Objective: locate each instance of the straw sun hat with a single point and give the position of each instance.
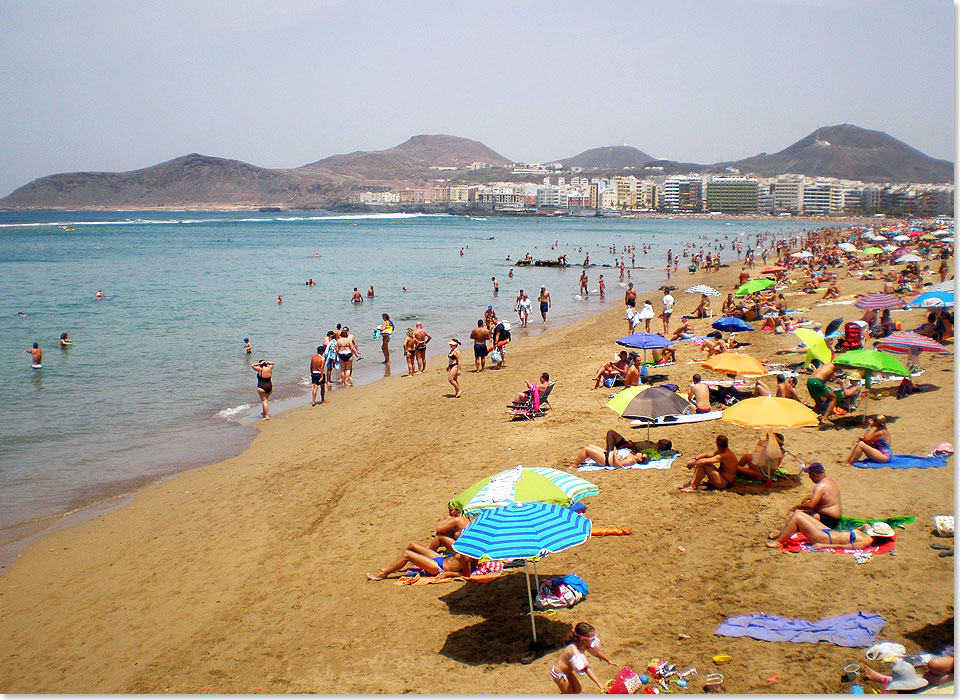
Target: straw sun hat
(905, 677)
(880, 529)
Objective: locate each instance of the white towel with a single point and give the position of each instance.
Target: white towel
(591, 466)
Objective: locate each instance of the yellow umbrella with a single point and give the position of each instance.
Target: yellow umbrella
(734, 363)
(770, 412)
(624, 397)
(817, 348)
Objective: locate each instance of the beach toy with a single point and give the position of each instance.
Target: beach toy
(721, 659)
(712, 682)
(376, 333)
(644, 680)
(851, 672)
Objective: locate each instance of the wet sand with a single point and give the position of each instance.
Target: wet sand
(249, 575)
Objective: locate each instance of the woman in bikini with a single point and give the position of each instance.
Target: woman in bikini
(264, 370)
(453, 366)
(573, 660)
(875, 444)
(409, 351)
(819, 536)
(430, 562)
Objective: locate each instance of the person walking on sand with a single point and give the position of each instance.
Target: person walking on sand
(317, 375)
(453, 367)
(573, 661)
(630, 296)
(345, 353)
(545, 303)
(36, 356)
(264, 370)
(668, 302)
(646, 315)
(422, 338)
(386, 330)
(480, 335)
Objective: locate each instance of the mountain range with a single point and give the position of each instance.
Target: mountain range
(843, 151)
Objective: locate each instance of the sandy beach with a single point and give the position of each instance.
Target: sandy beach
(249, 575)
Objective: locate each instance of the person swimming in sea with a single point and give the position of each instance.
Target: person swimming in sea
(247, 346)
(65, 341)
(36, 355)
(99, 294)
(357, 297)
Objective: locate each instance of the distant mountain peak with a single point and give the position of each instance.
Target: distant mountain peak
(609, 158)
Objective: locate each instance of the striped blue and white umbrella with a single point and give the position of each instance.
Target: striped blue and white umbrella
(928, 299)
(702, 289)
(525, 531)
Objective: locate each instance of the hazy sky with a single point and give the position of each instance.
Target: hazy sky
(123, 85)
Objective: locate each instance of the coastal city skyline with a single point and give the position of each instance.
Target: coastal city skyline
(123, 86)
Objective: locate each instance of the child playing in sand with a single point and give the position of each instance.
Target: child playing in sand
(573, 661)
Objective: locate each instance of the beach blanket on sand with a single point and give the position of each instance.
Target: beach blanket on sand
(854, 630)
(894, 521)
(799, 543)
(904, 462)
(415, 579)
(664, 463)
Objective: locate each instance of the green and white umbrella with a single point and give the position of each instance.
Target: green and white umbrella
(521, 485)
(754, 286)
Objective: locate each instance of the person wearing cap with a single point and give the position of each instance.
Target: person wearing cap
(453, 366)
(823, 503)
(617, 368)
(905, 678)
(819, 536)
(489, 318)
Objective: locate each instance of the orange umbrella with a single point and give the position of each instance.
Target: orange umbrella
(769, 412)
(734, 363)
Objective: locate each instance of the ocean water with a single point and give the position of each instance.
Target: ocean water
(157, 380)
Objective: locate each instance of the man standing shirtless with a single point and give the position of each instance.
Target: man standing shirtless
(480, 335)
(36, 355)
(545, 303)
(422, 338)
(317, 378)
(719, 467)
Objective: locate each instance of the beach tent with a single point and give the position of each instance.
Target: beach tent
(522, 484)
(523, 532)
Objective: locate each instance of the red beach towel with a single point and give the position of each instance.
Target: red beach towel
(799, 543)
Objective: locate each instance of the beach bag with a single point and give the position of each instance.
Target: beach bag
(767, 455)
(489, 567)
(496, 355)
(626, 682)
(561, 596)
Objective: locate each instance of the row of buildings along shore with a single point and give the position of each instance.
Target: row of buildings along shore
(782, 195)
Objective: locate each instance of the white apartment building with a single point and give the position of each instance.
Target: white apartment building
(788, 193)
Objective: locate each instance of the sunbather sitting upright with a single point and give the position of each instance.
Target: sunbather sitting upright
(719, 468)
(448, 530)
(612, 369)
(714, 344)
(661, 355)
(875, 443)
(699, 395)
(823, 503)
(542, 385)
(749, 470)
(819, 536)
(684, 330)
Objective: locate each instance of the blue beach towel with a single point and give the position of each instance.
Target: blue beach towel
(854, 630)
(591, 466)
(904, 462)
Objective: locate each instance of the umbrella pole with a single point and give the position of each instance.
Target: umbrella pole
(533, 624)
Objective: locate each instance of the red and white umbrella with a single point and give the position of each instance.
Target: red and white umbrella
(903, 342)
(879, 301)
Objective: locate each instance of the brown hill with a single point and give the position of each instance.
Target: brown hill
(850, 152)
(608, 158)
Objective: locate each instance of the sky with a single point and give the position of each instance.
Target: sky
(123, 85)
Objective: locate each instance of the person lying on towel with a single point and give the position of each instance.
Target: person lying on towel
(820, 537)
(620, 452)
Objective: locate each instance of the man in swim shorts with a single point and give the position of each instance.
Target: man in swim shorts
(630, 296)
(545, 303)
(36, 356)
(330, 356)
(719, 468)
(823, 503)
(422, 338)
(699, 395)
(317, 375)
(480, 335)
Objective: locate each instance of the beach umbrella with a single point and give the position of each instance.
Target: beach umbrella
(523, 531)
(624, 397)
(817, 348)
(645, 341)
(929, 299)
(947, 286)
(731, 324)
(833, 328)
(901, 238)
(769, 412)
(734, 363)
(889, 248)
(872, 250)
(908, 258)
(753, 286)
(942, 232)
(522, 484)
(871, 361)
(908, 341)
(879, 301)
(703, 289)
(947, 240)
(655, 402)
(802, 254)
(928, 237)
(849, 247)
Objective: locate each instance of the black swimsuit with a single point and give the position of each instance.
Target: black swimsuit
(454, 362)
(264, 384)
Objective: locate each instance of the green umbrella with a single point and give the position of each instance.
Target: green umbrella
(872, 250)
(754, 286)
(871, 361)
(522, 484)
(817, 348)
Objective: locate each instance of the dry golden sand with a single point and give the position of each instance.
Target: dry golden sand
(248, 575)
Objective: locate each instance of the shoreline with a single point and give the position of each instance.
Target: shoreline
(247, 575)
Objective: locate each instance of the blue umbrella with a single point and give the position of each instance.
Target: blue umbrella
(731, 324)
(524, 531)
(643, 341)
(928, 299)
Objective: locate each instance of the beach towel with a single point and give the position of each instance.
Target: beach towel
(854, 630)
(663, 463)
(597, 531)
(894, 521)
(412, 577)
(779, 474)
(799, 543)
(904, 462)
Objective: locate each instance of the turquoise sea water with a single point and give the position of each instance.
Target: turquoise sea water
(157, 379)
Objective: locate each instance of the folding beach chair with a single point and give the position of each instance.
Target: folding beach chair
(533, 407)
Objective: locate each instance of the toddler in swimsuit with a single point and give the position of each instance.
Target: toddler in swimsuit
(573, 660)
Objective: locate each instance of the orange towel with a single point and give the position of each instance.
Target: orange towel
(418, 580)
(604, 531)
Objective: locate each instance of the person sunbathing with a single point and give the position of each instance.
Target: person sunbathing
(703, 308)
(714, 344)
(448, 529)
(615, 440)
(662, 355)
(429, 561)
(719, 468)
(632, 376)
(684, 330)
(614, 369)
(748, 469)
(623, 456)
(875, 443)
(823, 503)
(542, 385)
(820, 537)
(939, 670)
